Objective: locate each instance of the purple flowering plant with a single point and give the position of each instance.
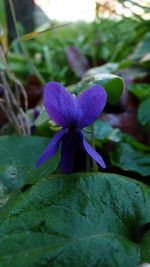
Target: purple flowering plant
(72, 114)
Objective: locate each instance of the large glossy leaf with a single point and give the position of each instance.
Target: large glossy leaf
(144, 112)
(76, 220)
(113, 84)
(130, 159)
(18, 156)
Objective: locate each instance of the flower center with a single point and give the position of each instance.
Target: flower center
(72, 129)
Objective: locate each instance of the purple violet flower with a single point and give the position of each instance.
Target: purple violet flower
(73, 114)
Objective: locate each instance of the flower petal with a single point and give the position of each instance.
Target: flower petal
(60, 105)
(91, 103)
(70, 143)
(51, 148)
(90, 150)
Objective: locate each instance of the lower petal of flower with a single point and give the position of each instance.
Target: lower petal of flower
(70, 143)
(51, 148)
(89, 149)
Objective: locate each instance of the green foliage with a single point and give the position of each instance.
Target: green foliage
(2, 66)
(128, 158)
(102, 41)
(76, 220)
(129, 153)
(42, 124)
(103, 132)
(144, 112)
(3, 25)
(18, 64)
(140, 90)
(18, 158)
(143, 47)
(131, 140)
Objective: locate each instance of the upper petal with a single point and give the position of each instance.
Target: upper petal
(91, 103)
(51, 149)
(60, 105)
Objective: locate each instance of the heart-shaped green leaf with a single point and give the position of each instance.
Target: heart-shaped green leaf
(76, 220)
(128, 158)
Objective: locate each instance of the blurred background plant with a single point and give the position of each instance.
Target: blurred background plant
(40, 44)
